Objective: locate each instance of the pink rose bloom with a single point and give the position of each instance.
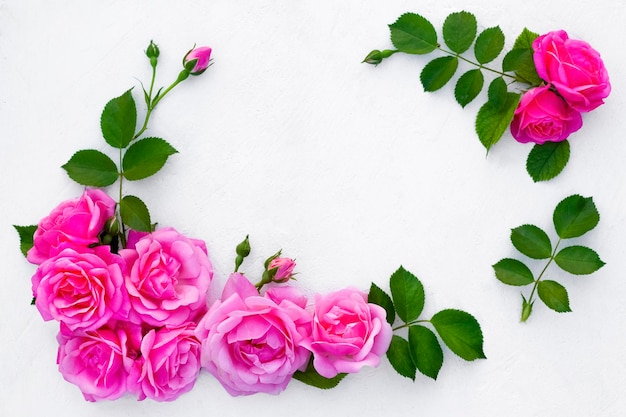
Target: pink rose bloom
(284, 268)
(82, 288)
(348, 333)
(542, 116)
(99, 362)
(574, 68)
(78, 222)
(202, 58)
(170, 359)
(168, 277)
(251, 343)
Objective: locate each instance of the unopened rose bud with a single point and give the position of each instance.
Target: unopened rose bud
(153, 53)
(197, 60)
(281, 269)
(527, 309)
(242, 250)
(376, 57)
(112, 226)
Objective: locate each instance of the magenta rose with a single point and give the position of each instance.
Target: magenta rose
(81, 287)
(170, 362)
(283, 269)
(197, 60)
(251, 343)
(100, 361)
(168, 278)
(542, 116)
(348, 333)
(574, 68)
(77, 222)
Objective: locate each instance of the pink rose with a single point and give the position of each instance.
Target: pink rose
(168, 277)
(197, 60)
(170, 362)
(542, 116)
(81, 287)
(348, 333)
(574, 68)
(78, 222)
(284, 269)
(99, 362)
(250, 343)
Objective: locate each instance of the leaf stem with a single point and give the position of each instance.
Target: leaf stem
(503, 74)
(405, 325)
(532, 293)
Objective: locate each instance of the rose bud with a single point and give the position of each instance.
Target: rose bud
(281, 269)
(197, 60)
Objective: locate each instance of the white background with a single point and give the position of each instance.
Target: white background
(351, 169)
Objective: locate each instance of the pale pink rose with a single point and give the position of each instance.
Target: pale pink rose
(202, 58)
(170, 362)
(99, 362)
(574, 68)
(348, 333)
(81, 287)
(284, 269)
(168, 278)
(77, 222)
(250, 343)
(542, 116)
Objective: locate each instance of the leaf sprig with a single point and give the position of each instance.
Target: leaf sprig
(573, 217)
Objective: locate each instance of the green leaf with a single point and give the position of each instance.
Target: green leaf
(497, 93)
(578, 260)
(459, 31)
(489, 44)
(413, 34)
(146, 157)
(554, 295)
(91, 167)
(438, 72)
(311, 377)
(118, 120)
(135, 214)
(379, 297)
(531, 241)
(461, 332)
(513, 272)
(491, 121)
(525, 39)
(425, 351)
(399, 355)
(520, 58)
(574, 216)
(548, 160)
(26, 237)
(468, 86)
(407, 293)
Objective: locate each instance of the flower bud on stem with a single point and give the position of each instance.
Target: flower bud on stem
(242, 250)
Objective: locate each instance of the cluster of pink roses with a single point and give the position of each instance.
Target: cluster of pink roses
(127, 319)
(576, 82)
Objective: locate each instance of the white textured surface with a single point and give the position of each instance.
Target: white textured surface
(351, 169)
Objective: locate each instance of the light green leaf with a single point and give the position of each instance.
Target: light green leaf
(527, 309)
(413, 34)
(513, 272)
(425, 351)
(489, 44)
(461, 332)
(468, 86)
(311, 377)
(399, 355)
(407, 293)
(491, 121)
(91, 167)
(438, 72)
(525, 39)
(548, 160)
(119, 120)
(135, 214)
(578, 260)
(574, 216)
(146, 157)
(459, 31)
(379, 297)
(520, 61)
(554, 295)
(531, 241)
(26, 234)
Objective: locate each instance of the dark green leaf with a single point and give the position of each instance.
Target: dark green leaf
(575, 216)
(26, 237)
(513, 272)
(489, 44)
(311, 377)
(525, 39)
(468, 86)
(520, 61)
(407, 293)
(531, 241)
(399, 355)
(379, 297)
(548, 160)
(461, 332)
(459, 31)
(91, 167)
(438, 72)
(146, 157)
(491, 121)
(578, 260)
(497, 93)
(119, 120)
(135, 214)
(554, 295)
(425, 351)
(413, 34)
